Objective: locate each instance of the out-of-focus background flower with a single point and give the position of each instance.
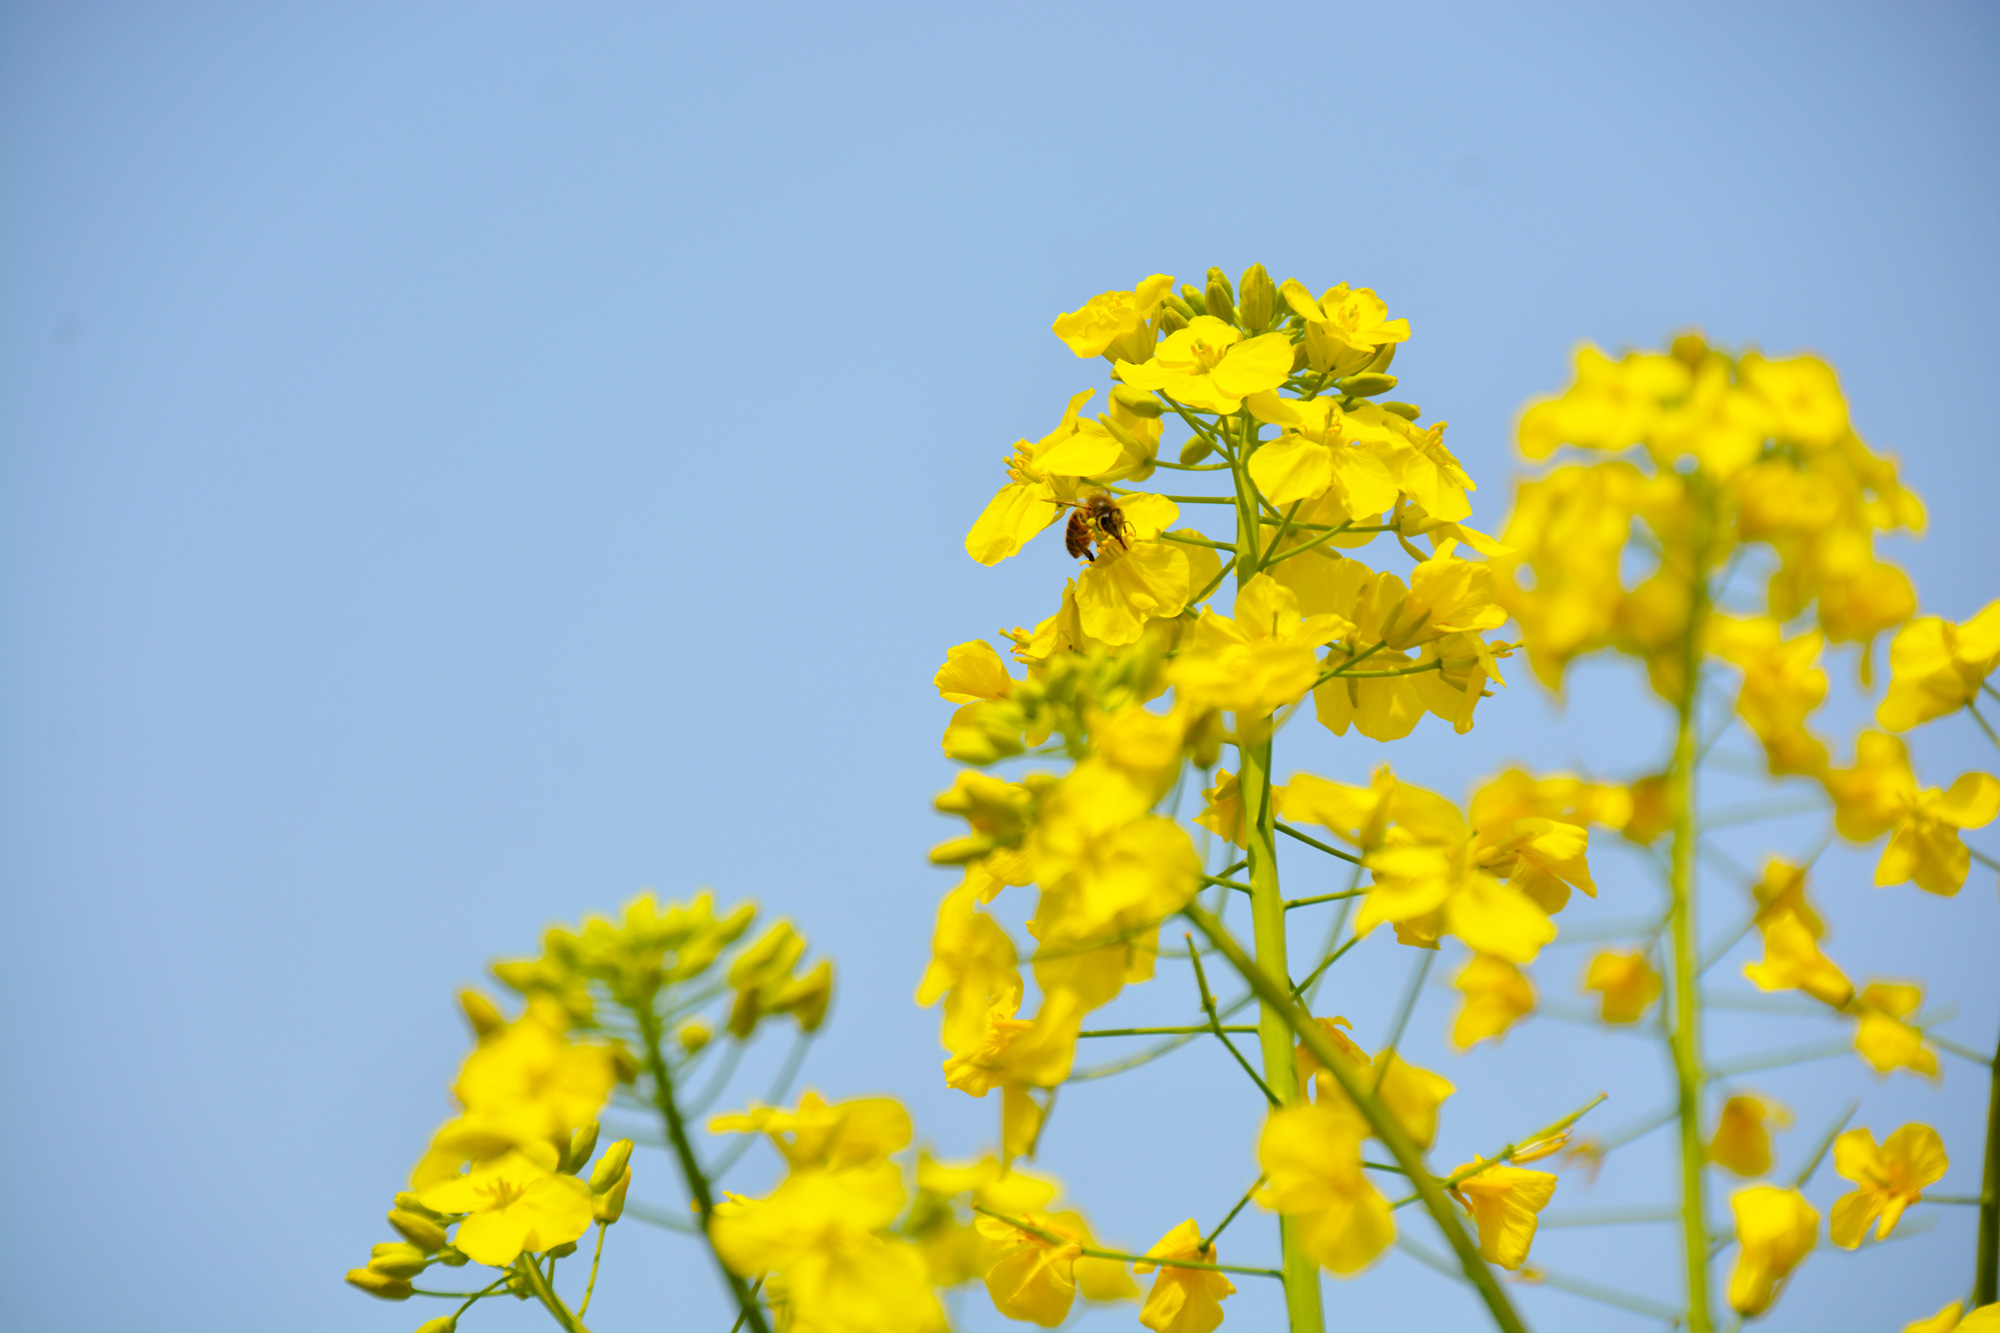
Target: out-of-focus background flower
(461, 464)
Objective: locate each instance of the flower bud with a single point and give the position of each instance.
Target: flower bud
(807, 998)
(1690, 347)
(582, 1143)
(624, 1064)
(1407, 411)
(1221, 300)
(379, 1285)
(452, 1258)
(610, 1166)
(417, 1229)
(1192, 298)
(1136, 401)
(444, 1323)
(562, 1251)
(1366, 384)
(694, 1034)
(609, 1206)
(1383, 356)
(409, 1203)
(396, 1259)
(1197, 448)
(480, 1012)
(1171, 318)
(1256, 298)
(1300, 356)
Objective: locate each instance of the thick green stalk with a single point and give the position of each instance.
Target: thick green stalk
(691, 1172)
(1684, 1034)
(1385, 1126)
(1986, 1282)
(1267, 912)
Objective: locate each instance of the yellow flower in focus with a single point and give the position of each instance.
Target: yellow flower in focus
(1936, 667)
(1029, 501)
(1742, 1141)
(1346, 328)
(1311, 1156)
(1322, 450)
(1879, 794)
(858, 1132)
(1144, 579)
(1890, 1178)
(1497, 996)
(1504, 1201)
(1116, 323)
(515, 1204)
(1626, 982)
(1883, 1038)
(1031, 1277)
(1259, 661)
(1184, 1300)
(973, 672)
(817, 1235)
(1209, 367)
(1775, 1230)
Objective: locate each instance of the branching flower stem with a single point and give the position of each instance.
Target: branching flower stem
(546, 1294)
(1385, 1126)
(691, 1173)
(1092, 1252)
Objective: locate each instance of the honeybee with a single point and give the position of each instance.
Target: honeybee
(1097, 519)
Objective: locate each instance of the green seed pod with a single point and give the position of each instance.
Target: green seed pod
(610, 1166)
(1220, 298)
(379, 1285)
(1366, 384)
(419, 1230)
(1256, 298)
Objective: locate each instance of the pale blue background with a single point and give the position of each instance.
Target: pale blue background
(463, 463)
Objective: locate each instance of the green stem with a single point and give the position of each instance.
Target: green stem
(1267, 914)
(1208, 1241)
(1384, 1125)
(1309, 841)
(691, 1173)
(1986, 1280)
(539, 1285)
(1088, 1251)
(1684, 1032)
(590, 1287)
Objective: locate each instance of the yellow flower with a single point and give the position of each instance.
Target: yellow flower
(973, 966)
(1184, 1300)
(1775, 1230)
(1782, 684)
(1259, 661)
(1208, 366)
(1883, 1038)
(1628, 983)
(514, 1205)
(1145, 579)
(1322, 450)
(1742, 1140)
(1029, 501)
(1116, 323)
(1610, 406)
(1936, 667)
(1411, 1094)
(1792, 961)
(1346, 328)
(818, 1236)
(1986, 1319)
(1497, 996)
(1311, 1156)
(1890, 1178)
(973, 672)
(1035, 1279)
(1503, 1201)
(851, 1133)
(1222, 813)
(1880, 795)
(1803, 396)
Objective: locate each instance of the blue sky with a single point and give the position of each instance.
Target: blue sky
(462, 464)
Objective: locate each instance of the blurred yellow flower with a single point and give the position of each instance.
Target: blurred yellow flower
(1889, 1178)
(1311, 1155)
(1626, 982)
(1497, 996)
(1936, 667)
(1775, 1230)
(1742, 1139)
(1184, 1300)
(1879, 794)
(1504, 1201)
